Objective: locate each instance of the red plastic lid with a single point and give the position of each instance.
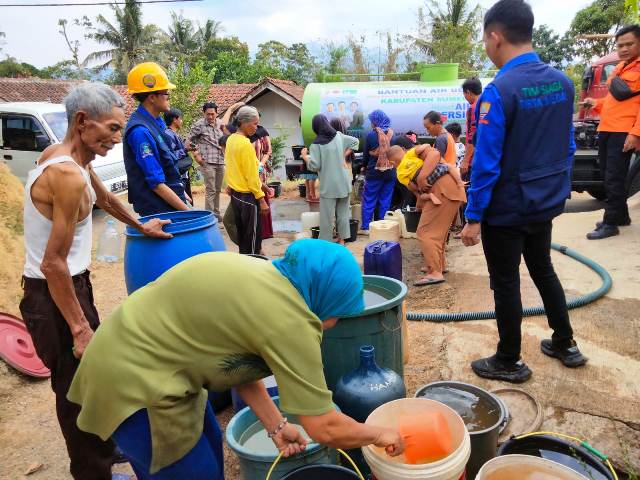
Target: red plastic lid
(16, 347)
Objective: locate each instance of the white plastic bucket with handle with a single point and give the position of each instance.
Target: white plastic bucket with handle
(525, 467)
(389, 415)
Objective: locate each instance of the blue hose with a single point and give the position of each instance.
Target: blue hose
(532, 311)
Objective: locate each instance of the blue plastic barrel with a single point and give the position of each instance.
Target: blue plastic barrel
(145, 258)
(384, 259)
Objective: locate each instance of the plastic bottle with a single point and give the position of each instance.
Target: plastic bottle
(109, 243)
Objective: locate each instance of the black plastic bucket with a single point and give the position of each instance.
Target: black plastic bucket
(484, 443)
(411, 218)
(297, 150)
(277, 187)
(302, 188)
(321, 472)
(566, 453)
(353, 225)
(315, 232)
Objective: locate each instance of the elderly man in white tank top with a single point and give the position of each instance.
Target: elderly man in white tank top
(57, 306)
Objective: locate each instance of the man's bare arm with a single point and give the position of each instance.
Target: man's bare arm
(68, 190)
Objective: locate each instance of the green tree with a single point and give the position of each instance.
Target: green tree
(10, 67)
(192, 90)
(450, 34)
(180, 37)
(215, 46)
(208, 32)
(128, 40)
(293, 62)
(601, 17)
(552, 49)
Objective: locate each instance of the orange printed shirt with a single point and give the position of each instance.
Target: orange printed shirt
(624, 116)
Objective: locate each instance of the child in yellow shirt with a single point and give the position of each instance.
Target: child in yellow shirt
(410, 173)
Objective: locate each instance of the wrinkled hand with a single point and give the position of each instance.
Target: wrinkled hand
(153, 228)
(264, 207)
(290, 441)
(80, 341)
(471, 234)
(391, 441)
(588, 103)
(631, 143)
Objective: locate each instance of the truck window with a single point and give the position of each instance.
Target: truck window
(58, 123)
(606, 73)
(24, 133)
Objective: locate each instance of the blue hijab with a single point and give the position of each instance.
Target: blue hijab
(380, 119)
(326, 275)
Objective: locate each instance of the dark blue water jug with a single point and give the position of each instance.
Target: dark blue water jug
(145, 259)
(383, 258)
(360, 392)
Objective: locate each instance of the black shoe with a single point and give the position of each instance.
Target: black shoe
(604, 231)
(570, 356)
(626, 223)
(496, 369)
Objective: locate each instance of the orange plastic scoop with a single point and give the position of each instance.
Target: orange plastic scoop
(427, 437)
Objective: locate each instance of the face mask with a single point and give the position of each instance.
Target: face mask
(620, 90)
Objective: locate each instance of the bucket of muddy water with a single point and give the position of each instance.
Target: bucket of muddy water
(256, 452)
(482, 413)
(525, 467)
(447, 432)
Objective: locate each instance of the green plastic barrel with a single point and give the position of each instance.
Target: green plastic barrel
(379, 325)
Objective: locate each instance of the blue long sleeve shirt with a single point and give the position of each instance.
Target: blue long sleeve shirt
(147, 155)
(489, 143)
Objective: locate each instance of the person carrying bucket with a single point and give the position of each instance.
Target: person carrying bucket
(155, 185)
(520, 180)
(143, 379)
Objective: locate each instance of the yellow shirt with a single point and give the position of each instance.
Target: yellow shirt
(410, 164)
(241, 172)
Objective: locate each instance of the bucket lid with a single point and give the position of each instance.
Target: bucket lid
(16, 347)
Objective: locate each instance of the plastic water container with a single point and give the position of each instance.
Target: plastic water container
(109, 243)
(384, 230)
(383, 258)
(398, 412)
(525, 467)
(310, 220)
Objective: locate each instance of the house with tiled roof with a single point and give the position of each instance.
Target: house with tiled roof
(279, 101)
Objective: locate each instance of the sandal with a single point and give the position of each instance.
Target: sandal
(423, 282)
(424, 270)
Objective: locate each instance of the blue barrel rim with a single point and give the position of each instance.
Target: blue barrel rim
(182, 221)
(382, 307)
(241, 451)
(504, 412)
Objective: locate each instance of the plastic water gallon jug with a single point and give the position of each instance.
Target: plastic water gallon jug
(109, 243)
(383, 258)
(384, 230)
(310, 220)
(397, 216)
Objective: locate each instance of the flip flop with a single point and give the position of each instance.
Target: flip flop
(428, 281)
(424, 270)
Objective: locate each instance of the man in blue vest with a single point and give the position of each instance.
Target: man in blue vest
(520, 180)
(154, 181)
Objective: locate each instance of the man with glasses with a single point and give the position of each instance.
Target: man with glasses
(154, 181)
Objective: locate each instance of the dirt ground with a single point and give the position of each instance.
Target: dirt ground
(600, 402)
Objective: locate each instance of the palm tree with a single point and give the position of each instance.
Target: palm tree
(129, 41)
(209, 31)
(181, 36)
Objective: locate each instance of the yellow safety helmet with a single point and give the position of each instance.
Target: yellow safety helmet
(148, 77)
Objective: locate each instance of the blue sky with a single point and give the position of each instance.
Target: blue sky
(32, 33)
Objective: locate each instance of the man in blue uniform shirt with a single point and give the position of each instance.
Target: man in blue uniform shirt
(155, 185)
(520, 180)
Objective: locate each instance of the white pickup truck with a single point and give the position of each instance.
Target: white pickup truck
(30, 127)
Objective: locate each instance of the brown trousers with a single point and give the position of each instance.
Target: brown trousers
(91, 458)
(433, 228)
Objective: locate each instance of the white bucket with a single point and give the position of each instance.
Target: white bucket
(525, 467)
(310, 220)
(387, 230)
(392, 468)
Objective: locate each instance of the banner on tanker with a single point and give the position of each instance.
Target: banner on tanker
(406, 105)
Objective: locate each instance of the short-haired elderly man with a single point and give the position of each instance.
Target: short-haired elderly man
(57, 306)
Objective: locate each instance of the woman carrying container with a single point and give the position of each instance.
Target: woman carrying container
(380, 177)
(144, 377)
(327, 156)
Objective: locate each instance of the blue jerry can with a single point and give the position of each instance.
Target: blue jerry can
(383, 258)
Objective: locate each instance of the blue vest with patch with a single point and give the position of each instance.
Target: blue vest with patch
(535, 175)
(144, 200)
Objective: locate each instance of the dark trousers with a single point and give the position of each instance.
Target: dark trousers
(91, 458)
(186, 181)
(503, 247)
(246, 211)
(203, 462)
(614, 164)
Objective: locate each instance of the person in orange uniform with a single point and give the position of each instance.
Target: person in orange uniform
(444, 142)
(619, 131)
